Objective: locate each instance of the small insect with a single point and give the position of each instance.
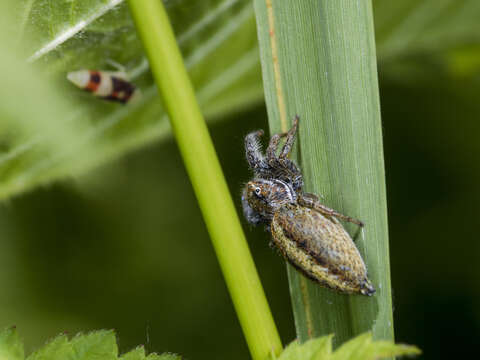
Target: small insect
(108, 85)
(307, 233)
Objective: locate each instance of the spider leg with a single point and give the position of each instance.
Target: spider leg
(272, 146)
(291, 171)
(311, 201)
(287, 147)
(282, 167)
(253, 151)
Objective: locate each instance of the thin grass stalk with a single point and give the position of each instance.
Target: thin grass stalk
(318, 61)
(204, 170)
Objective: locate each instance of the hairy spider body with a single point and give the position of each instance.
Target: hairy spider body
(306, 232)
(267, 197)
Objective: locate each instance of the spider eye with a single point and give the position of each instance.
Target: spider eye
(258, 191)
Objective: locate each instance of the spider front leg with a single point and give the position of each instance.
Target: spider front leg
(271, 152)
(253, 151)
(287, 147)
(282, 167)
(311, 201)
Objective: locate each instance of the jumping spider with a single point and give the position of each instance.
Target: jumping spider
(307, 233)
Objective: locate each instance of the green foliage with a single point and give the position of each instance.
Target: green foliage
(102, 345)
(205, 172)
(361, 347)
(62, 131)
(38, 146)
(11, 348)
(327, 70)
(320, 348)
(424, 27)
(97, 345)
(333, 87)
(218, 42)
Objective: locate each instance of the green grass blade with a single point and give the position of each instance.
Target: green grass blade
(325, 61)
(206, 176)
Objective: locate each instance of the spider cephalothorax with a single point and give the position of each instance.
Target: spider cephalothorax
(266, 196)
(307, 233)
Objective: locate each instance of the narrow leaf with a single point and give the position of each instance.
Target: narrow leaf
(318, 61)
(205, 173)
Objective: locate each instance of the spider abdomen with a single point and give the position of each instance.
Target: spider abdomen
(320, 248)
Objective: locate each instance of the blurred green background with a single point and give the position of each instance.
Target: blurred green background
(123, 245)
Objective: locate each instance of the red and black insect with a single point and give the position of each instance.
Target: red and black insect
(108, 85)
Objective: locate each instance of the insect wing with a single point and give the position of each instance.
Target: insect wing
(121, 90)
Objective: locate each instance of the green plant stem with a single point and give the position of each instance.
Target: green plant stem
(318, 60)
(206, 176)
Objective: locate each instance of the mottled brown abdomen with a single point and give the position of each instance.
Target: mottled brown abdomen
(320, 248)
